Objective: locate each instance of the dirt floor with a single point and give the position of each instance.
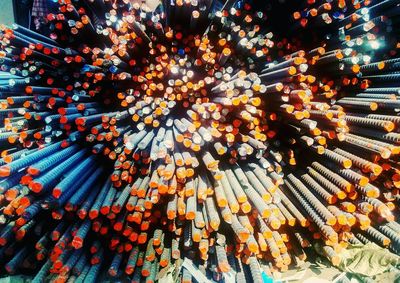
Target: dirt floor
(322, 274)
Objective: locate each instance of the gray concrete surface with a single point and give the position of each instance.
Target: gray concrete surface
(6, 12)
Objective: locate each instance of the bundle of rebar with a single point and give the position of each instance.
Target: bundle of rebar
(230, 134)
